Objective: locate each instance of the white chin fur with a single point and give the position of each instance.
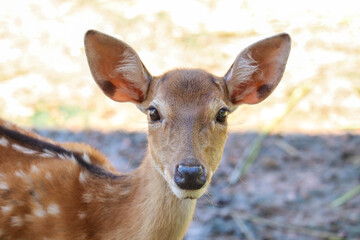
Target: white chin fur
(188, 194)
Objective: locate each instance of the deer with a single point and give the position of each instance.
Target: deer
(52, 190)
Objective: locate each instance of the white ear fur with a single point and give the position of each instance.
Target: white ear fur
(241, 74)
(128, 66)
(258, 69)
(116, 68)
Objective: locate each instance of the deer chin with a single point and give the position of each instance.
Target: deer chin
(188, 194)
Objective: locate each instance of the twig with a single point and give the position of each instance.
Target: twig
(244, 229)
(293, 152)
(289, 227)
(252, 152)
(346, 197)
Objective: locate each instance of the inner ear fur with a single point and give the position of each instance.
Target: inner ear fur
(116, 68)
(258, 69)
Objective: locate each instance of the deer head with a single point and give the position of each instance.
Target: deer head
(187, 109)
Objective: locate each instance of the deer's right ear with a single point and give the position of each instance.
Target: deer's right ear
(116, 68)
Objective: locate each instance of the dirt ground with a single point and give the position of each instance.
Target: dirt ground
(286, 194)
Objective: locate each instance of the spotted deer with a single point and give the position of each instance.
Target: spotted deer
(51, 190)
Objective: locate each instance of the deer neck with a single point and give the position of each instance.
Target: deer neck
(168, 215)
(151, 210)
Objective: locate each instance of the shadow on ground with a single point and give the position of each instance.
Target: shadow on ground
(286, 194)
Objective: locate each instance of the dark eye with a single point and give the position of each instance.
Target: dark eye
(222, 114)
(153, 114)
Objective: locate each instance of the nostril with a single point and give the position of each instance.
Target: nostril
(181, 170)
(190, 177)
(190, 170)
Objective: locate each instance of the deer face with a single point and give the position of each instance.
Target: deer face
(187, 112)
(187, 109)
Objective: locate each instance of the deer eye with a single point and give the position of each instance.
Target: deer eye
(221, 115)
(153, 114)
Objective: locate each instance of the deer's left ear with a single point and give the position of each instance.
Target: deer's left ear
(257, 70)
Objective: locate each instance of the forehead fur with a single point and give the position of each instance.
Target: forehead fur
(189, 86)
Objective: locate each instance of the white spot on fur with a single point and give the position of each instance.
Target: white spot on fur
(16, 221)
(53, 209)
(7, 209)
(109, 188)
(87, 197)
(67, 157)
(4, 186)
(81, 215)
(82, 177)
(4, 142)
(72, 158)
(47, 153)
(48, 176)
(39, 212)
(86, 158)
(23, 149)
(20, 174)
(62, 156)
(34, 169)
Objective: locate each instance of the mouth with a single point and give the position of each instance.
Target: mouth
(191, 198)
(188, 194)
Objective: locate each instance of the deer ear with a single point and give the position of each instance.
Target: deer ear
(258, 69)
(116, 68)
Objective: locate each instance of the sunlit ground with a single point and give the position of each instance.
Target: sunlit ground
(45, 81)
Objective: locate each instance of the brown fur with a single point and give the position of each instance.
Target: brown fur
(52, 190)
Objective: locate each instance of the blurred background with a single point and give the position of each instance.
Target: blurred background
(313, 115)
(45, 81)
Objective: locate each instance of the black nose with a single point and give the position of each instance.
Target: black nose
(190, 177)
